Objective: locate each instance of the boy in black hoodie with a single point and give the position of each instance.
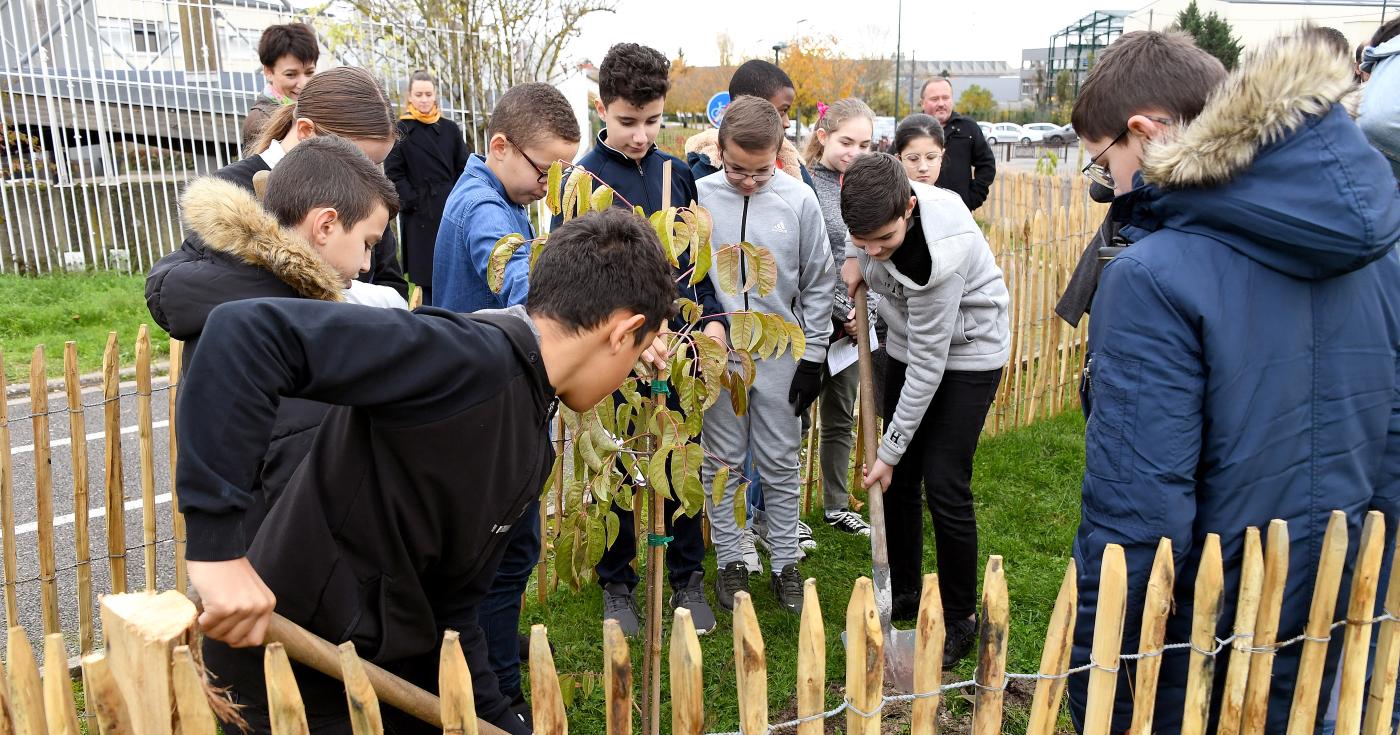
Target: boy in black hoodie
(391, 531)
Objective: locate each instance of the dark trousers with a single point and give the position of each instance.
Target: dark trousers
(499, 616)
(684, 554)
(940, 458)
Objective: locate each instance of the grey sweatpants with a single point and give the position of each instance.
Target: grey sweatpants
(837, 408)
(776, 434)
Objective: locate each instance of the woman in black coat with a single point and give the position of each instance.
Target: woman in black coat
(424, 166)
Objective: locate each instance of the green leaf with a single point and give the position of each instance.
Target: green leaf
(589, 685)
(629, 392)
(713, 356)
(602, 484)
(741, 504)
(640, 212)
(717, 484)
(624, 419)
(690, 311)
(685, 475)
(564, 552)
(580, 557)
(589, 452)
(726, 268)
(700, 254)
(536, 248)
(739, 399)
(613, 525)
(606, 418)
(762, 269)
(750, 370)
(553, 475)
(602, 199)
(705, 224)
(686, 391)
(556, 176)
(694, 420)
(501, 254)
(656, 471)
(799, 340)
(571, 192)
(585, 194)
(566, 690)
(745, 330)
(597, 539)
(662, 222)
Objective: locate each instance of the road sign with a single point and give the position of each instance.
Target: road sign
(715, 107)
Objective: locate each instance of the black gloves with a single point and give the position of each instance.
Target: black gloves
(806, 384)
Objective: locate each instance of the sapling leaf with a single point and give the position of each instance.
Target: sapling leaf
(778, 328)
(606, 418)
(762, 269)
(705, 224)
(556, 176)
(629, 392)
(553, 475)
(741, 504)
(750, 370)
(717, 484)
(745, 330)
(726, 268)
(589, 685)
(500, 257)
(597, 539)
(699, 260)
(690, 311)
(536, 248)
(656, 471)
(602, 199)
(570, 202)
(799, 340)
(640, 212)
(713, 356)
(624, 419)
(739, 399)
(662, 222)
(686, 391)
(566, 689)
(685, 467)
(585, 194)
(613, 525)
(589, 451)
(564, 552)
(694, 420)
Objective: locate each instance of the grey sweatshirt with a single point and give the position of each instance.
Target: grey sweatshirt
(784, 218)
(956, 321)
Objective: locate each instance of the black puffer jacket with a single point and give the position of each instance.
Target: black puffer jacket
(236, 251)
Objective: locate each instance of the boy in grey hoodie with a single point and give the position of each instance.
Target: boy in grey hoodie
(946, 306)
(780, 214)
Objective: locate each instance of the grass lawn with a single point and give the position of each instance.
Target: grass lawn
(83, 307)
(1027, 490)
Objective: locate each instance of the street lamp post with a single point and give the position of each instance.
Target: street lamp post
(776, 48)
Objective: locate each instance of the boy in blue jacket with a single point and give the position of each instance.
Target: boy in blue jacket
(632, 85)
(531, 127)
(1245, 363)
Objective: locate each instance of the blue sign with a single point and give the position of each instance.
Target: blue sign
(715, 107)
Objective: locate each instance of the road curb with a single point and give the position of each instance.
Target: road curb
(21, 390)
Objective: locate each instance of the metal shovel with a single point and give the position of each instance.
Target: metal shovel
(899, 644)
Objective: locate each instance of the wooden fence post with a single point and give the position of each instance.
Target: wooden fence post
(286, 712)
(617, 679)
(77, 433)
(58, 688)
(43, 487)
(177, 519)
(365, 718)
(26, 693)
(1246, 617)
(1261, 664)
(928, 658)
(1380, 702)
(191, 702)
(142, 631)
(1356, 650)
(1319, 628)
(811, 662)
(865, 661)
(104, 699)
(1108, 641)
(455, 688)
(1210, 578)
(1054, 659)
(7, 512)
(112, 478)
(146, 444)
(751, 666)
(546, 703)
(991, 654)
(687, 680)
(1156, 607)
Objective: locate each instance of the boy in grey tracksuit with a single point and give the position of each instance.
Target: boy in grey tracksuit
(946, 306)
(781, 215)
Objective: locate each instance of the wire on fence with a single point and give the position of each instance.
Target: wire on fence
(65, 410)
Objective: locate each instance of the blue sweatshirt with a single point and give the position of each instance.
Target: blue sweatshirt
(477, 214)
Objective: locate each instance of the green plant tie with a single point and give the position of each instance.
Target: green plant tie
(655, 540)
(660, 387)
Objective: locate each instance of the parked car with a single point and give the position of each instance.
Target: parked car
(986, 128)
(1054, 134)
(1013, 133)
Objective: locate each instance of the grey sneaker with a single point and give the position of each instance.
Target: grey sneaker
(760, 535)
(847, 521)
(749, 551)
(620, 605)
(692, 597)
(787, 586)
(805, 542)
(734, 577)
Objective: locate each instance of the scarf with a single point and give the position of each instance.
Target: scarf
(273, 95)
(410, 112)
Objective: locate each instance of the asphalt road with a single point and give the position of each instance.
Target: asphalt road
(29, 589)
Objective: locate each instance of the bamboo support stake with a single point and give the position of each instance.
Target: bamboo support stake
(617, 679)
(1261, 665)
(1108, 641)
(811, 661)
(1157, 606)
(1210, 590)
(177, 519)
(546, 703)
(991, 654)
(455, 688)
(751, 667)
(58, 688)
(77, 433)
(191, 701)
(1246, 617)
(1054, 659)
(687, 680)
(146, 444)
(1319, 628)
(656, 562)
(26, 693)
(365, 718)
(43, 487)
(104, 699)
(285, 709)
(542, 566)
(928, 658)
(865, 660)
(1365, 580)
(7, 512)
(112, 478)
(1380, 700)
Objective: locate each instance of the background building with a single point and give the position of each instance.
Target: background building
(1257, 21)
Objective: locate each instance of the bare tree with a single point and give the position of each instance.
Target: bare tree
(726, 49)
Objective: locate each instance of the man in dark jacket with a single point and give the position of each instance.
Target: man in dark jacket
(969, 165)
(391, 531)
(1245, 346)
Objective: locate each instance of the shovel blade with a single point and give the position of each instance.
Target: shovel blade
(899, 659)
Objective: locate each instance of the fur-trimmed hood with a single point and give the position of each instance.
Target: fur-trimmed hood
(706, 145)
(229, 220)
(1275, 168)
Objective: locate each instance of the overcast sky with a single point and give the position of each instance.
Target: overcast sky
(933, 29)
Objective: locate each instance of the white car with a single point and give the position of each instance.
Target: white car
(1013, 133)
(986, 128)
(1054, 134)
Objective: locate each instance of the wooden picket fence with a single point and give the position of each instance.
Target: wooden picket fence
(149, 677)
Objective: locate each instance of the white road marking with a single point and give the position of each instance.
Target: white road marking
(65, 441)
(65, 520)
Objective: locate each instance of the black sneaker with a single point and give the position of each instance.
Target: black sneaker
(692, 597)
(961, 634)
(620, 605)
(734, 577)
(905, 606)
(520, 708)
(787, 586)
(847, 521)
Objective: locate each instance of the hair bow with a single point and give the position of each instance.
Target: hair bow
(822, 107)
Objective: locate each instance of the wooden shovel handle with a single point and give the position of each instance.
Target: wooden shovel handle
(879, 550)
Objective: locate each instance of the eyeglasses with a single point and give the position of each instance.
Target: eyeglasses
(738, 177)
(913, 158)
(1099, 173)
(543, 172)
